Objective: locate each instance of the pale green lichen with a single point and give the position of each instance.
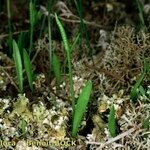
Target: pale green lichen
(20, 108)
(39, 112)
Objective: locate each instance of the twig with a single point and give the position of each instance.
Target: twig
(11, 80)
(106, 72)
(6, 67)
(86, 22)
(102, 145)
(45, 12)
(15, 33)
(35, 55)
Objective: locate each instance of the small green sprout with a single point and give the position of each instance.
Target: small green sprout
(81, 107)
(56, 68)
(18, 65)
(137, 88)
(112, 122)
(28, 68)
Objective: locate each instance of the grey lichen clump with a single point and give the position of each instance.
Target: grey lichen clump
(117, 65)
(124, 56)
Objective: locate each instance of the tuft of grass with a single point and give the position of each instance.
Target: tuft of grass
(112, 122)
(80, 107)
(28, 68)
(18, 65)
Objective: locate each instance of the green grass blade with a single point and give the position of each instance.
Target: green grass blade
(18, 65)
(21, 43)
(141, 14)
(83, 27)
(67, 49)
(32, 14)
(142, 90)
(137, 88)
(146, 123)
(28, 68)
(134, 91)
(56, 68)
(112, 122)
(64, 36)
(146, 66)
(10, 39)
(75, 42)
(81, 107)
(22, 126)
(73, 46)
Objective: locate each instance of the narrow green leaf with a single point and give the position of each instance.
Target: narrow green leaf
(146, 123)
(146, 66)
(21, 43)
(18, 65)
(73, 46)
(28, 68)
(56, 68)
(64, 37)
(142, 90)
(23, 127)
(141, 14)
(75, 42)
(32, 13)
(81, 107)
(68, 51)
(112, 122)
(33, 18)
(135, 89)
